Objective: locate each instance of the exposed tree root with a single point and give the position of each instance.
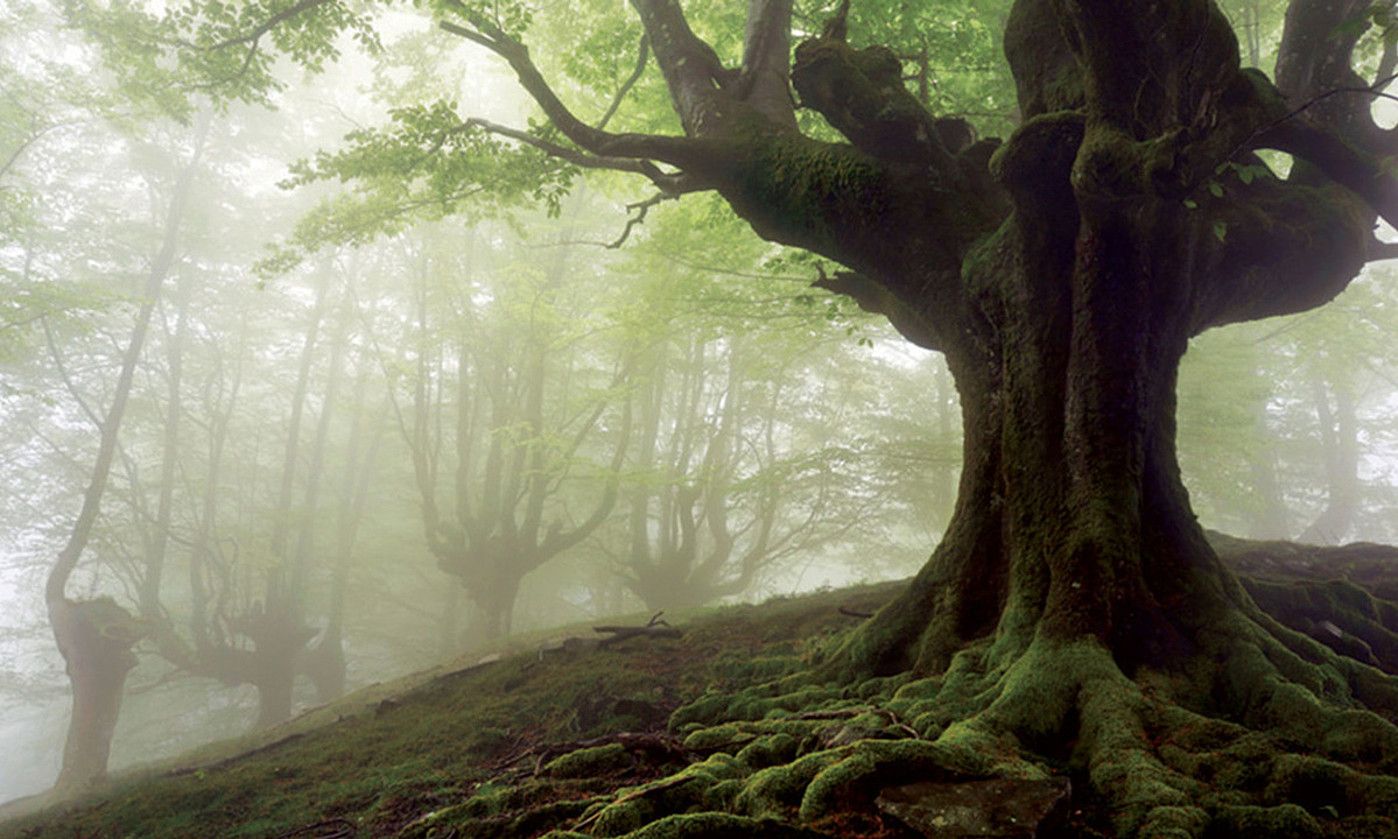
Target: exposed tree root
(1297, 757)
(1268, 729)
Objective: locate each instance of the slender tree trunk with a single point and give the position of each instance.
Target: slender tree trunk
(202, 549)
(155, 562)
(325, 664)
(278, 629)
(96, 636)
(1339, 437)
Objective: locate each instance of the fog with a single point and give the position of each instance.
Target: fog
(351, 424)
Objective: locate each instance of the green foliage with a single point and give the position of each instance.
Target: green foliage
(512, 17)
(226, 51)
(427, 165)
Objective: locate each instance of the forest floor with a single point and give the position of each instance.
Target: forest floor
(400, 758)
(573, 736)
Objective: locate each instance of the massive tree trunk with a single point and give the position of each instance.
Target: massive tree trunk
(96, 637)
(1072, 521)
(494, 614)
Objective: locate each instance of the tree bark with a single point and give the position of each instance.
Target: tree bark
(325, 664)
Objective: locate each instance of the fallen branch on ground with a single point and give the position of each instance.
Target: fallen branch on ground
(654, 628)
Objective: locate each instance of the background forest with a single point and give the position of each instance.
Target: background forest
(374, 419)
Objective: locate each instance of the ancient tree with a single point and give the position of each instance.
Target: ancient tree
(96, 635)
(1074, 599)
(1074, 610)
(504, 418)
(722, 487)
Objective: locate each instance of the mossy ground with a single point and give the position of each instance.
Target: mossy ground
(385, 758)
(731, 731)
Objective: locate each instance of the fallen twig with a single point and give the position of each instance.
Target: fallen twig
(654, 628)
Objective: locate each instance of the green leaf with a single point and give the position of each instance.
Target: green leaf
(1216, 189)
(1221, 230)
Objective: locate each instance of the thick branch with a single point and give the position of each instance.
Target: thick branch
(677, 151)
(693, 72)
(1286, 248)
(872, 297)
(861, 93)
(1361, 173)
(764, 80)
(574, 156)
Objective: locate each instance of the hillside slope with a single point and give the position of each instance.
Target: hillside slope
(727, 731)
(385, 757)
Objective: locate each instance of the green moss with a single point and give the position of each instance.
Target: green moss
(749, 669)
(499, 822)
(708, 708)
(1363, 827)
(776, 792)
(1174, 822)
(710, 784)
(871, 764)
(1288, 821)
(769, 750)
(706, 825)
(589, 763)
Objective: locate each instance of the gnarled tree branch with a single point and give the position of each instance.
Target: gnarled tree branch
(678, 151)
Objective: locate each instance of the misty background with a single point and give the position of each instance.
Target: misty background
(352, 461)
